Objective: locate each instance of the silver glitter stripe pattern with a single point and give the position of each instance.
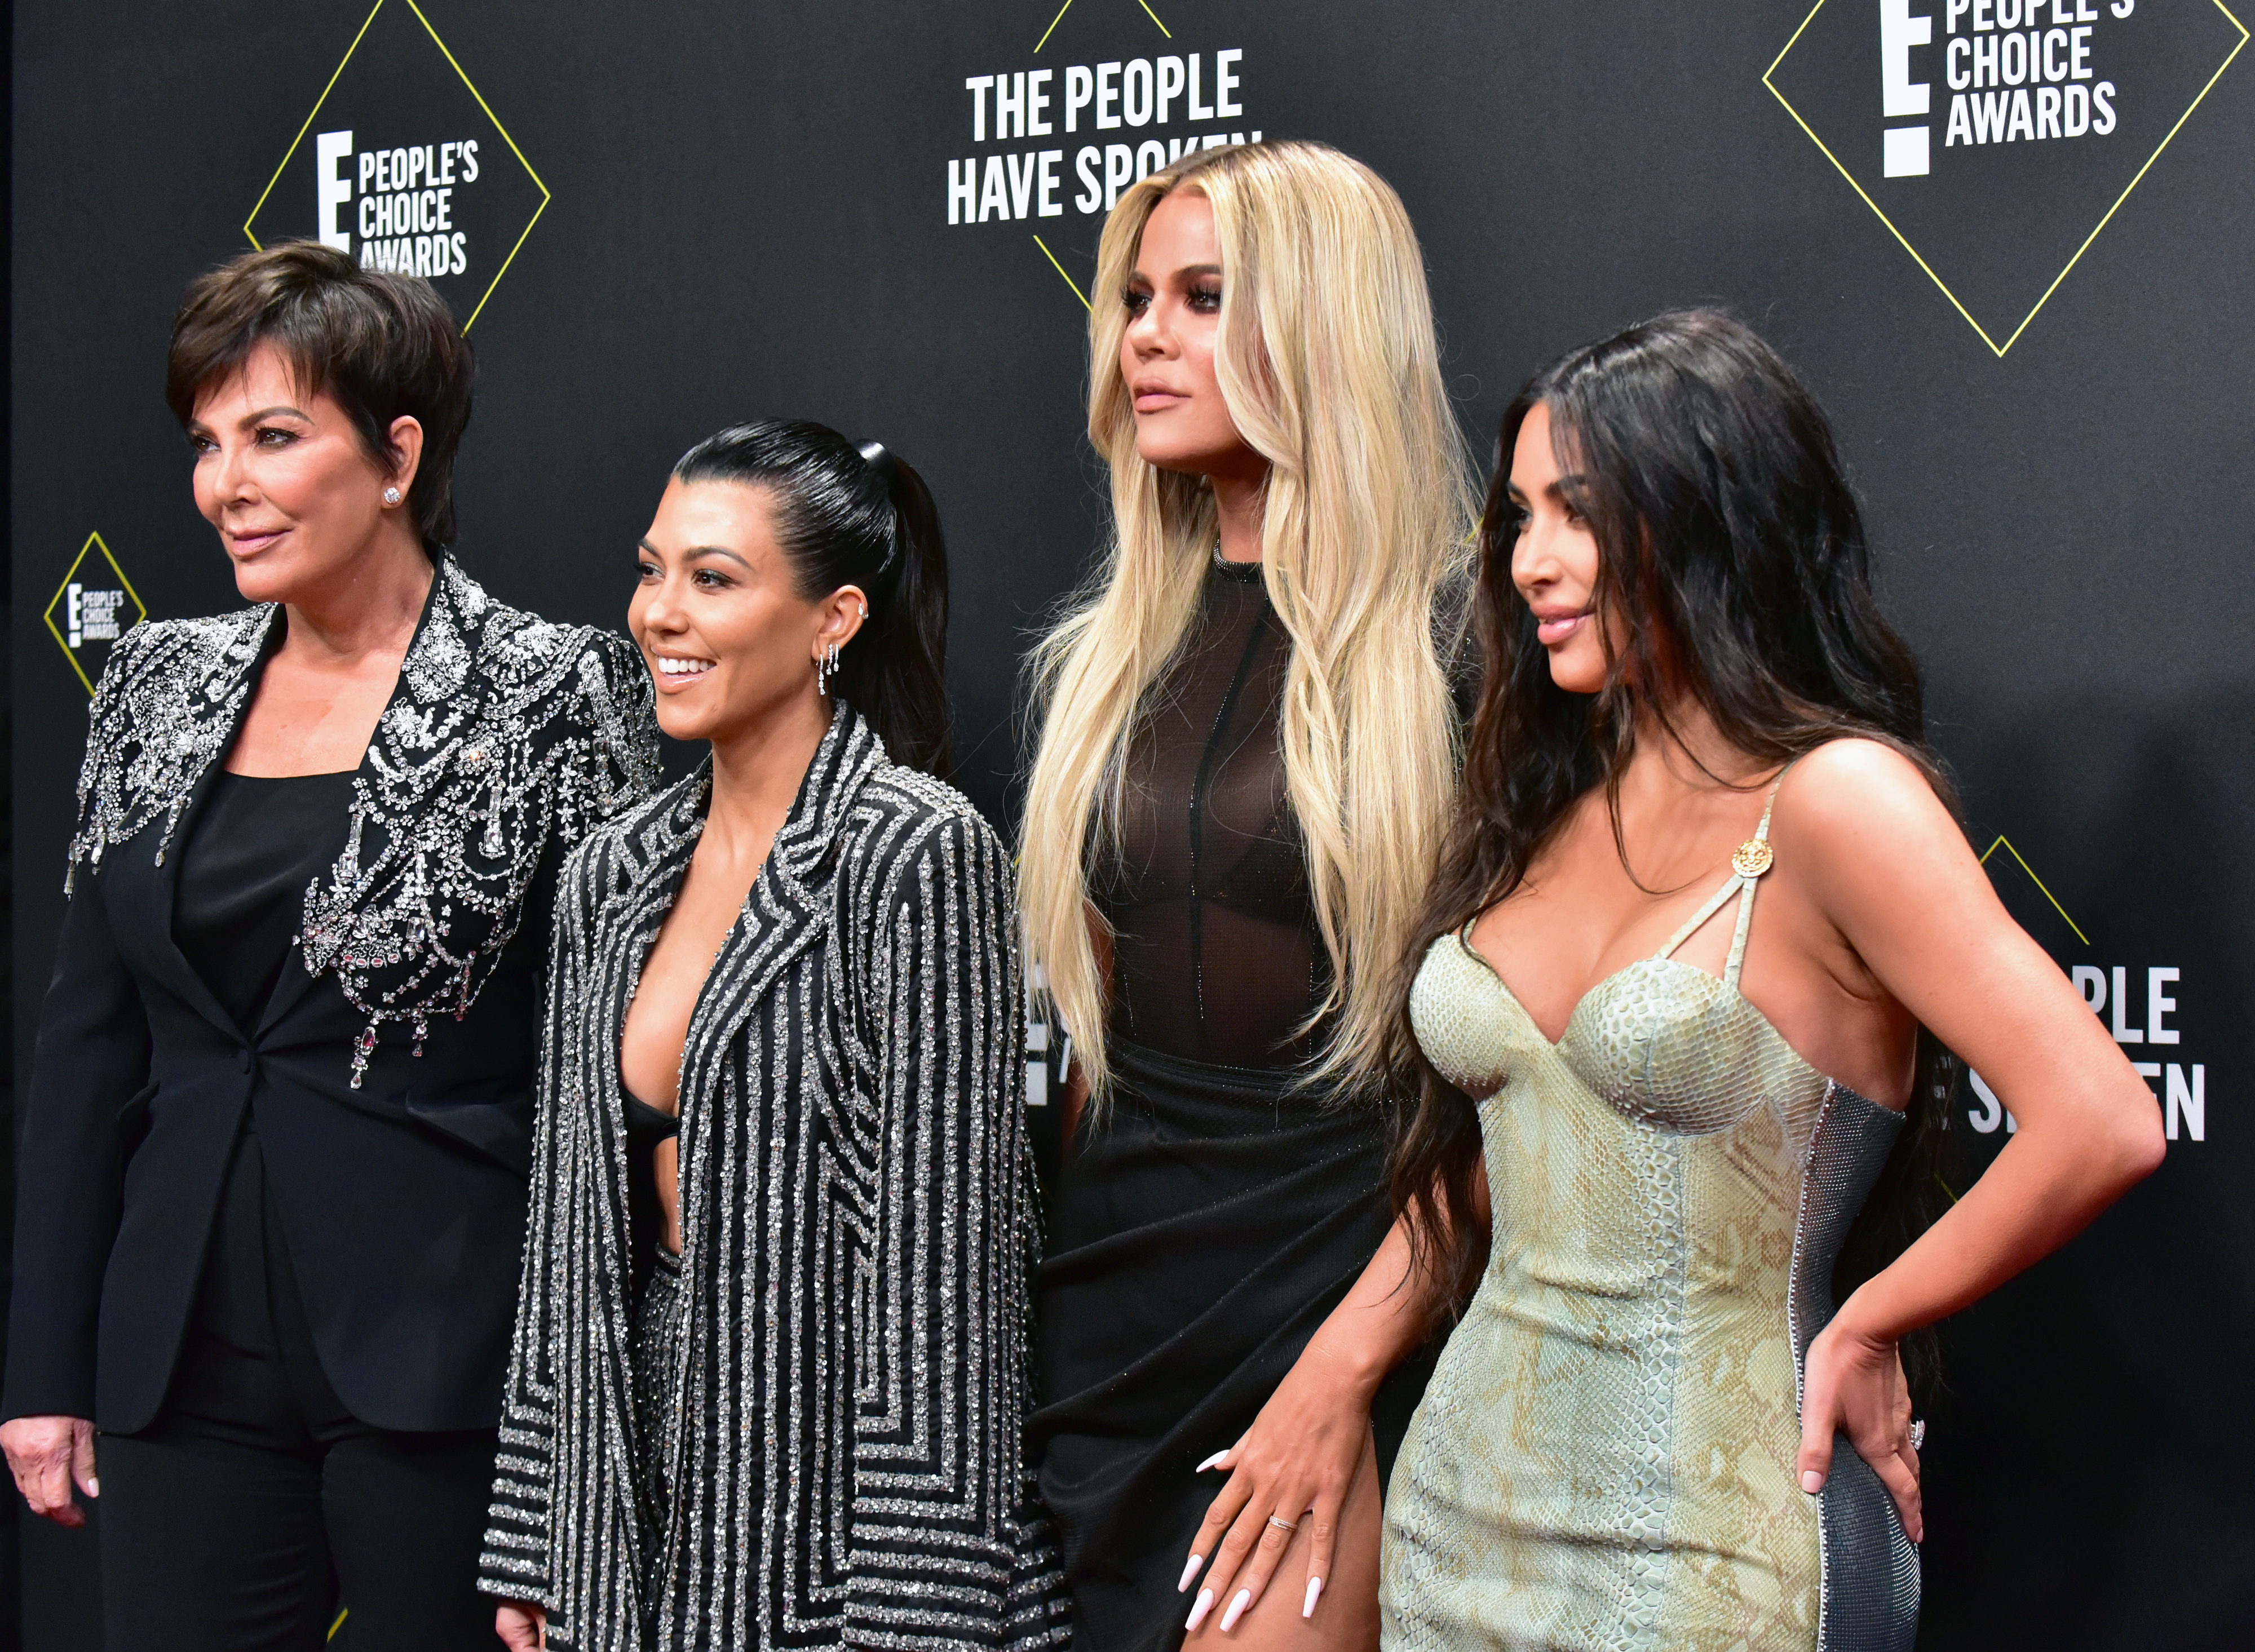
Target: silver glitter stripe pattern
(832, 1456)
(505, 733)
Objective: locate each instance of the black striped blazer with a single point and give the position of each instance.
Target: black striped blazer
(858, 1228)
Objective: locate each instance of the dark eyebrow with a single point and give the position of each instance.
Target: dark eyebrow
(695, 551)
(1576, 485)
(269, 412)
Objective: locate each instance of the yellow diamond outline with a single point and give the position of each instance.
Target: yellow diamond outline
(1038, 44)
(315, 114)
(1067, 6)
(2005, 843)
(1999, 348)
(1059, 267)
(94, 542)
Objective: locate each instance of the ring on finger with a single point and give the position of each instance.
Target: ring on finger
(1283, 1525)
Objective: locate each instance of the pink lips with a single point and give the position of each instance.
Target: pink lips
(1556, 628)
(251, 544)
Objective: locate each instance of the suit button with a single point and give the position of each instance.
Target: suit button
(245, 1059)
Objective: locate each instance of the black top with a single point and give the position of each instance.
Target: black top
(646, 1127)
(1216, 956)
(252, 849)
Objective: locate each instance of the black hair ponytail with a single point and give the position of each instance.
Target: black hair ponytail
(848, 515)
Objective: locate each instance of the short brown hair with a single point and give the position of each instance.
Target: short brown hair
(381, 345)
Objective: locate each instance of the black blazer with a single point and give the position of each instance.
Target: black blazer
(399, 1178)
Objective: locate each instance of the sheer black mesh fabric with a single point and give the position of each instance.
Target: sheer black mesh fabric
(1216, 956)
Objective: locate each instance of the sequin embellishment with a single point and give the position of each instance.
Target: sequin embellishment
(505, 730)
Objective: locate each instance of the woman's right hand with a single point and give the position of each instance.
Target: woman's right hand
(523, 1626)
(46, 1454)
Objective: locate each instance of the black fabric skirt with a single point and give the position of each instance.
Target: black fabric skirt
(1198, 1238)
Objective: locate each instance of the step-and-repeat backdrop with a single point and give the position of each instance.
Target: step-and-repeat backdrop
(2007, 241)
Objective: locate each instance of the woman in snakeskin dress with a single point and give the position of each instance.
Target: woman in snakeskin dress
(1650, 1429)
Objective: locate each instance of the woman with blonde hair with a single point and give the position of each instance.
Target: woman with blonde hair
(1246, 759)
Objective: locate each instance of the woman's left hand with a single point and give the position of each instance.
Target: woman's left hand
(1854, 1385)
(1295, 1462)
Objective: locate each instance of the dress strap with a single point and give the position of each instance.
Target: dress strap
(1748, 862)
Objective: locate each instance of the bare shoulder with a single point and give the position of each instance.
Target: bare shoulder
(1848, 792)
(1864, 819)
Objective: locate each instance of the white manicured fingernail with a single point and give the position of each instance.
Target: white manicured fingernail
(1236, 1610)
(1211, 1462)
(1315, 1588)
(93, 1486)
(1812, 1482)
(1189, 1571)
(1197, 1613)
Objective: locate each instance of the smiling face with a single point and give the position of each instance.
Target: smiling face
(285, 479)
(1554, 560)
(717, 612)
(1166, 355)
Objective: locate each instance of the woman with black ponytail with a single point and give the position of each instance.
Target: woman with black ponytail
(770, 1358)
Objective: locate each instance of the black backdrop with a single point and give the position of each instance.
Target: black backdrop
(745, 209)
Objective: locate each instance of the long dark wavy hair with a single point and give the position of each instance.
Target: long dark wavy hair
(1733, 549)
(857, 514)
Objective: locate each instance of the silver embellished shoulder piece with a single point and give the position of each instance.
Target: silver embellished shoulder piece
(505, 733)
(168, 702)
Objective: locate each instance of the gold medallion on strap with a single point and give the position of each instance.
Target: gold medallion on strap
(1752, 858)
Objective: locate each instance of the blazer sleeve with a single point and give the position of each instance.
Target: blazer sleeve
(515, 1564)
(941, 1538)
(89, 1088)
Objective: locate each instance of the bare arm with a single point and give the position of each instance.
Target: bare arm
(1894, 874)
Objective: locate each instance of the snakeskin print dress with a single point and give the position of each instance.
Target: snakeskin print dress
(1606, 1457)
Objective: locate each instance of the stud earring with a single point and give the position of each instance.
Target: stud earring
(391, 496)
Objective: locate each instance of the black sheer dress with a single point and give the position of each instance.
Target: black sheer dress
(1205, 1228)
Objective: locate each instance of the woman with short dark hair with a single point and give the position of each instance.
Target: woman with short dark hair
(272, 1179)
(771, 1368)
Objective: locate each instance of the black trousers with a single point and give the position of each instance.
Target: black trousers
(256, 1508)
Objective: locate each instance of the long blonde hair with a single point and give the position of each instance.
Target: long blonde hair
(1328, 362)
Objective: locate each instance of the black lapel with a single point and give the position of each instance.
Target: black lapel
(140, 892)
(154, 909)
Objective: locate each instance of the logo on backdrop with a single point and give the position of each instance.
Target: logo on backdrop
(1062, 140)
(93, 607)
(2137, 1003)
(1997, 138)
(403, 165)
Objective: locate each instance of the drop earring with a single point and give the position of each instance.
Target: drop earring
(825, 668)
